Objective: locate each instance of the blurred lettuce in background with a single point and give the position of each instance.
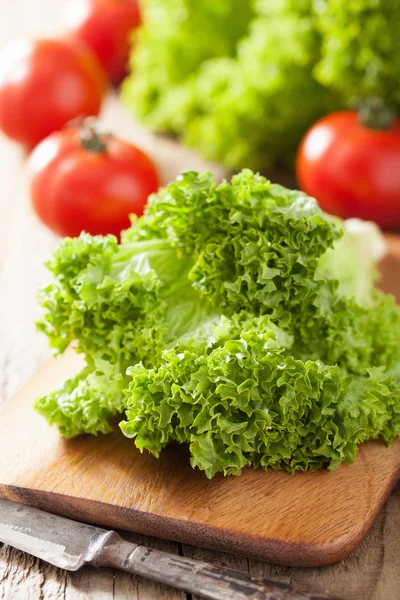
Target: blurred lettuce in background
(360, 53)
(242, 80)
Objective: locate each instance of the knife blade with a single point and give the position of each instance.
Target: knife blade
(70, 545)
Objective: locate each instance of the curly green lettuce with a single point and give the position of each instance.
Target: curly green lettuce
(175, 47)
(360, 53)
(236, 318)
(86, 403)
(362, 240)
(242, 81)
(247, 403)
(255, 245)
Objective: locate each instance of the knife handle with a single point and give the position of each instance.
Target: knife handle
(202, 579)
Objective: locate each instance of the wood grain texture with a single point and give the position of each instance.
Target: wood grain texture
(371, 572)
(266, 515)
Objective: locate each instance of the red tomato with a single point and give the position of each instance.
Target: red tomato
(43, 85)
(105, 26)
(81, 181)
(352, 170)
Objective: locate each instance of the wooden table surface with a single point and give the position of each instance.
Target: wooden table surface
(372, 572)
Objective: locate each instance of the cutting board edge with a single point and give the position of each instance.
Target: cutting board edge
(292, 554)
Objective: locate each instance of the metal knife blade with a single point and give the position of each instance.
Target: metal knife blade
(64, 543)
(70, 545)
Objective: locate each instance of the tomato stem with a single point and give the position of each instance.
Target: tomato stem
(91, 140)
(375, 114)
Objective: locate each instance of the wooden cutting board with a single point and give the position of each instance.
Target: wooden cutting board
(307, 519)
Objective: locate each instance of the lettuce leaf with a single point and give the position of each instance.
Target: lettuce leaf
(363, 241)
(237, 318)
(242, 81)
(256, 245)
(86, 403)
(360, 51)
(246, 403)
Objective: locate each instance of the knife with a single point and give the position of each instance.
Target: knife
(70, 545)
